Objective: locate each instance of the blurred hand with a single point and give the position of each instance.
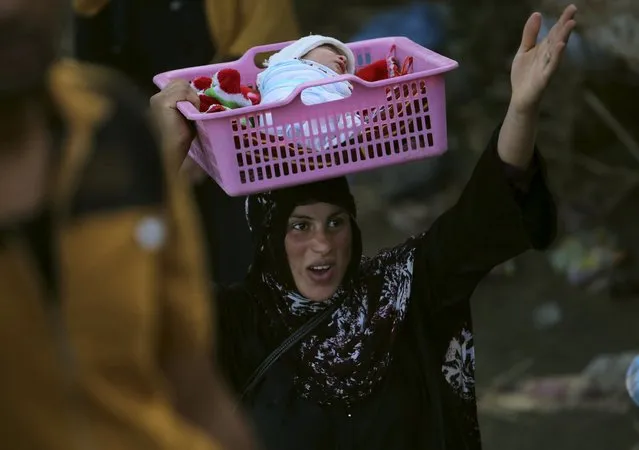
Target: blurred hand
(176, 133)
(535, 63)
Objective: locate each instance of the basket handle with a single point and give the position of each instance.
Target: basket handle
(249, 55)
(161, 80)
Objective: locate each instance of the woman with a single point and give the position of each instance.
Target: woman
(389, 361)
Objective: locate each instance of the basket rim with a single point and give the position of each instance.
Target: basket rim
(444, 64)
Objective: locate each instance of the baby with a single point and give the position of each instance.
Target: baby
(311, 58)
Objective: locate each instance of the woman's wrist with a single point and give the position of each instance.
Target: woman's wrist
(517, 136)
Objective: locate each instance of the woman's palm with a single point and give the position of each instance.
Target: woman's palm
(535, 63)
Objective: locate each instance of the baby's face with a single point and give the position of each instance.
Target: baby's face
(329, 57)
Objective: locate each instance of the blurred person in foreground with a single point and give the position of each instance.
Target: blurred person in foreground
(143, 38)
(105, 330)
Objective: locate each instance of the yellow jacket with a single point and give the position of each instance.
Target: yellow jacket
(132, 288)
(236, 25)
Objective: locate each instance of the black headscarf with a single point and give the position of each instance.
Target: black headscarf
(345, 357)
(268, 215)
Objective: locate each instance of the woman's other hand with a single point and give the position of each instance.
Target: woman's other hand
(176, 132)
(533, 66)
(535, 63)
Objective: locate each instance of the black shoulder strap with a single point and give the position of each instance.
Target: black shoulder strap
(289, 342)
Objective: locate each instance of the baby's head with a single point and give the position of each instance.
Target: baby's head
(321, 49)
(328, 56)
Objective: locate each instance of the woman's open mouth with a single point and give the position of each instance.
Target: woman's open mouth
(321, 273)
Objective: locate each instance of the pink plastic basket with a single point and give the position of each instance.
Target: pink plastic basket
(400, 120)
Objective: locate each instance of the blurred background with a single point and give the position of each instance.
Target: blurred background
(555, 331)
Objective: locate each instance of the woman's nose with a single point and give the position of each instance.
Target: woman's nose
(321, 243)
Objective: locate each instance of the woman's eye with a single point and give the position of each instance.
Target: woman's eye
(299, 226)
(336, 223)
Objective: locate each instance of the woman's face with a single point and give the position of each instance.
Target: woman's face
(328, 56)
(318, 247)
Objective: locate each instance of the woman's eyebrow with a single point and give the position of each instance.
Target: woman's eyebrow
(300, 216)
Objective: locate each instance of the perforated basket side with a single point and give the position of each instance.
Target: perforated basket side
(407, 125)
